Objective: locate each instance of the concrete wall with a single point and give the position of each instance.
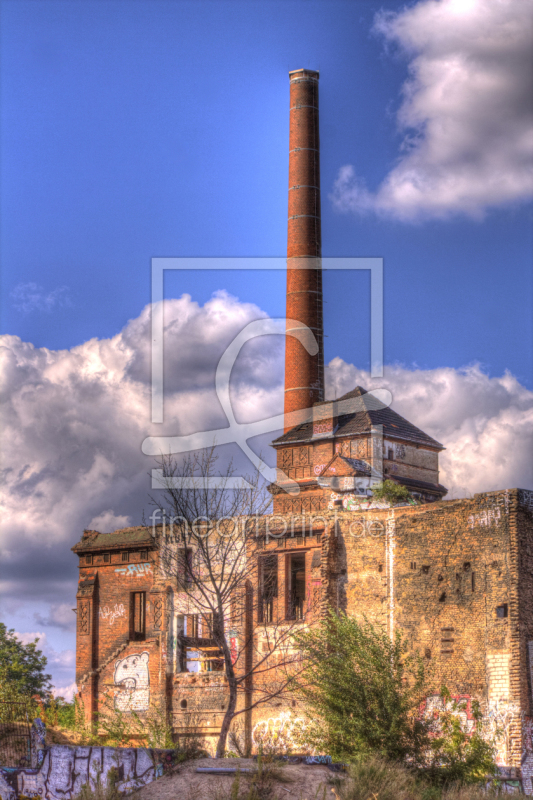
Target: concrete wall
(66, 769)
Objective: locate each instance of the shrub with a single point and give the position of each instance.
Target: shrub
(390, 492)
(363, 691)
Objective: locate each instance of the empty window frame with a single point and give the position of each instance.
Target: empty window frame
(268, 587)
(191, 626)
(88, 559)
(125, 556)
(138, 616)
(107, 558)
(184, 568)
(296, 586)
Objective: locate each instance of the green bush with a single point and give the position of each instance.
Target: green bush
(391, 492)
(363, 693)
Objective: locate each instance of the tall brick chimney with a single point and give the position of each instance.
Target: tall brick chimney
(304, 373)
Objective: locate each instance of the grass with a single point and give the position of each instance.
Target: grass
(376, 779)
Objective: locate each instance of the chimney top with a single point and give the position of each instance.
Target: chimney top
(304, 73)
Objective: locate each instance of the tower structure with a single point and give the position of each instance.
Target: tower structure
(337, 450)
(304, 372)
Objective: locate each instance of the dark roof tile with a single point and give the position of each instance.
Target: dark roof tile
(369, 413)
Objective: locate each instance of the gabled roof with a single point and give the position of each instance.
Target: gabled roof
(341, 466)
(127, 537)
(369, 412)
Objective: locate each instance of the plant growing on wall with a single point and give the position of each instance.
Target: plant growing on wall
(391, 492)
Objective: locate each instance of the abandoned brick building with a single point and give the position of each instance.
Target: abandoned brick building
(454, 576)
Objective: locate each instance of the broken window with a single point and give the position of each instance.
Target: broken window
(138, 616)
(296, 587)
(268, 587)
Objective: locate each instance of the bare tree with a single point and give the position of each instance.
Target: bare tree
(212, 543)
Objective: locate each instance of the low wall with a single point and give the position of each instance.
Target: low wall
(64, 769)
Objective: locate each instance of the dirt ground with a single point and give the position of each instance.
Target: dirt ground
(299, 782)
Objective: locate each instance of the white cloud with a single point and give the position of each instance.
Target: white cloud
(466, 113)
(30, 637)
(66, 692)
(108, 521)
(60, 615)
(486, 424)
(74, 421)
(28, 297)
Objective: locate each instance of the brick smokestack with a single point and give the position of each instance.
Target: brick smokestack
(304, 373)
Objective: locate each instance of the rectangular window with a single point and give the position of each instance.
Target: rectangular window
(107, 558)
(207, 626)
(125, 556)
(296, 586)
(391, 454)
(88, 559)
(138, 616)
(144, 555)
(184, 568)
(268, 587)
(502, 611)
(191, 625)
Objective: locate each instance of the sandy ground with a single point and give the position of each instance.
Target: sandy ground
(300, 782)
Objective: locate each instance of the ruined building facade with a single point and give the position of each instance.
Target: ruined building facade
(454, 576)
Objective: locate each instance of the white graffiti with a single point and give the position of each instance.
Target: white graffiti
(111, 614)
(133, 679)
(134, 570)
(485, 518)
(283, 733)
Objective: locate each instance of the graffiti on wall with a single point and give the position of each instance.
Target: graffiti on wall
(111, 614)
(485, 518)
(66, 769)
(134, 570)
(284, 732)
(133, 681)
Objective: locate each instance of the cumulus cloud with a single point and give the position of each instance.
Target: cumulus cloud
(28, 297)
(108, 521)
(486, 424)
(74, 422)
(66, 692)
(466, 116)
(60, 615)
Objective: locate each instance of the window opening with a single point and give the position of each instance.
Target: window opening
(125, 556)
(502, 611)
(184, 563)
(89, 559)
(107, 558)
(144, 555)
(138, 616)
(296, 575)
(268, 587)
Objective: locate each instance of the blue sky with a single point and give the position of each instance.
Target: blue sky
(136, 129)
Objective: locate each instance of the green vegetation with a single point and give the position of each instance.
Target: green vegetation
(391, 492)
(373, 778)
(364, 692)
(22, 668)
